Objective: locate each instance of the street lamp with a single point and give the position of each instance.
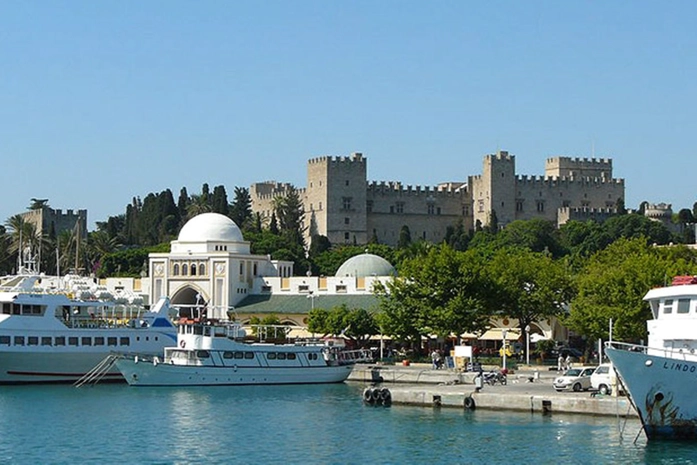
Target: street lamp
(311, 296)
(503, 332)
(527, 344)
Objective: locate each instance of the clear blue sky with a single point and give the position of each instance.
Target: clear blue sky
(102, 101)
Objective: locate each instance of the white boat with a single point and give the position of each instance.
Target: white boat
(210, 354)
(48, 335)
(661, 378)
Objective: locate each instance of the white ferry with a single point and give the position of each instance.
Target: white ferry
(210, 353)
(49, 336)
(661, 378)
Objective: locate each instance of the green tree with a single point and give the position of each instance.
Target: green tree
(219, 202)
(531, 286)
(446, 292)
(613, 283)
(241, 208)
(404, 237)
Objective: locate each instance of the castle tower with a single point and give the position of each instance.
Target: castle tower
(335, 199)
(495, 189)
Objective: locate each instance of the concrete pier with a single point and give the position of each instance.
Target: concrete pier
(528, 390)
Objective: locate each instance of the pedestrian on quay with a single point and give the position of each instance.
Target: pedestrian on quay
(568, 362)
(560, 362)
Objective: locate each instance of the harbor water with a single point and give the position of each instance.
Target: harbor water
(326, 424)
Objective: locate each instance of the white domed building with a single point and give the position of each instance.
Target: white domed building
(210, 265)
(292, 298)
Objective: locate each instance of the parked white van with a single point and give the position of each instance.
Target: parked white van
(604, 379)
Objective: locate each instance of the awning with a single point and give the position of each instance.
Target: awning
(495, 334)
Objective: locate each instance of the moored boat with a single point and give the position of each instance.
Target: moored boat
(661, 377)
(48, 335)
(213, 353)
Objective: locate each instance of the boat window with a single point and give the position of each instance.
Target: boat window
(125, 341)
(16, 309)
(271, 355)
(291, 356)
(281, 356)
(198, 329)
(227, 354)
(202, 354)
(239, 355)
(668, 306)
(19, 340)
(99, 341)
(33, 341)
(5, 340)
(7, 308)
(60, 340)
(207, 331)
(684, 306)
(249, 355)
(86, 341)
(46, 341)
(111, 341)
(72, 341)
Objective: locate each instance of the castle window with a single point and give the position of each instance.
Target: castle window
(310, 207)
(519, 205)
(400, 207)
(346, 236)
(347, 182)
(320, 206)
(391, 208)
(540, 206)
(346, 203)
(502, 205)
(480, 204)
(566, 204)
(438, 211)
(347, 220)
(431, 209)
(465, 210)
(369, 206)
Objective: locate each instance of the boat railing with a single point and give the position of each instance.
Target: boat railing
(685, 352)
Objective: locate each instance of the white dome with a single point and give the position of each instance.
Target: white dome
(365, 265)
(210, 227)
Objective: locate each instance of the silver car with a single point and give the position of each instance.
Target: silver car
(576, 379)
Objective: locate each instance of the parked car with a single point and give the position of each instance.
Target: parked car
(575, 354)
(604, 378)
(576, 379)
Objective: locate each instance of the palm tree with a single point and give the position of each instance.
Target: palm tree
(199, 204)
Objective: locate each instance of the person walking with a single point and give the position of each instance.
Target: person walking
(560, 362)
(568, 361)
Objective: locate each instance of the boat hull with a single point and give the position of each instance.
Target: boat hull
(662, 390)
(164, 374)
(47, 367)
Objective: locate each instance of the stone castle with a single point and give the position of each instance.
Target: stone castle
(341, 204)
(48, 221)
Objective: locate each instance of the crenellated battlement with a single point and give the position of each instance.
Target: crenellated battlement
(501, 155)
(583, 162)
(446, 189)
(354, 158)
(554, 181)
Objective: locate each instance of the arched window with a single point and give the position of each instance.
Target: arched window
(202, 269)
(175, 269)
(185, 270)
(193, 269)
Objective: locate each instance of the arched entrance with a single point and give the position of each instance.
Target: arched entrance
(190, 302)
